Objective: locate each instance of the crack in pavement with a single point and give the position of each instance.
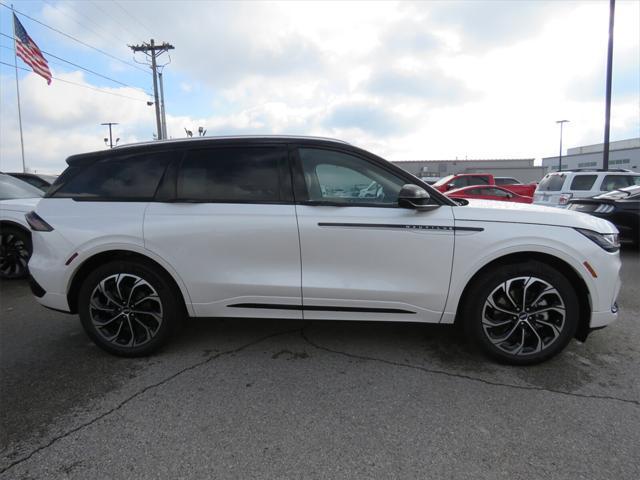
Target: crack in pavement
(466, 377)
(304, 336)
(122, 403)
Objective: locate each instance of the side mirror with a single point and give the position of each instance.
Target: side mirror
(413, 196)
(450, 186)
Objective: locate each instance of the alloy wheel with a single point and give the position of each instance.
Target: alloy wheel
(125, 310)
(14, 255)
(523, 315)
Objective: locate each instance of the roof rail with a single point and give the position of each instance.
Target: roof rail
(624, 170)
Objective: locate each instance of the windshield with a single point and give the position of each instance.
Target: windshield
(552, 183)
(619, 194)
(12, 188)
(443, 180)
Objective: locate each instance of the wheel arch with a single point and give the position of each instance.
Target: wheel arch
(12, 224)
(562, 266)
(98, 259)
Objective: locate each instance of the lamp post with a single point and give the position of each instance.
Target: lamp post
(561, 122)
(110, 143)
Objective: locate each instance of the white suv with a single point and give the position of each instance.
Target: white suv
(138, 237)
(557, 188)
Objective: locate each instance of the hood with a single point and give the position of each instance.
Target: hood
(510, 212)
(19, 204)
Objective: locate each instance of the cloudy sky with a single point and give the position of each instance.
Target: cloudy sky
(423, 80)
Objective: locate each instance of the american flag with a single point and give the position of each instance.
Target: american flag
(29, 52)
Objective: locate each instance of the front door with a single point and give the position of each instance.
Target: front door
(363, 257)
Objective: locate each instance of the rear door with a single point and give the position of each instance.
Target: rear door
(228, 227)
(365, 258)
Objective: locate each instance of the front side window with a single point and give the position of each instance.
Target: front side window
(336, 177)
(583, 182)
(127, 177)
(231, 175)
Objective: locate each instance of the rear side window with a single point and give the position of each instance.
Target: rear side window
(232, 175)
(583, 182)
(552, 183)
(506, 181)
(614, 182)
(477, 180)
(128, 177)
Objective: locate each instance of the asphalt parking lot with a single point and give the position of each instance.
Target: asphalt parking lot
(285, 399)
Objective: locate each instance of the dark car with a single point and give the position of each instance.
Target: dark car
(621, 207)
(40, 181)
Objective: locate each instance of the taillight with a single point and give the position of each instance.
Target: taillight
(604, 208)
(37, 223)
(564, 198)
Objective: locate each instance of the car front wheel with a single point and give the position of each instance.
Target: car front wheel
(522, 314)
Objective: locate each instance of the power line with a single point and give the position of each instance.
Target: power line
(77, 40)
(79, 84)
(117, 22)
(139, 22)
(82, 23)
(78, 66)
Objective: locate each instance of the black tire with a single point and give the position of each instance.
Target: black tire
(541, 335)
(165, 301)
(15, 251)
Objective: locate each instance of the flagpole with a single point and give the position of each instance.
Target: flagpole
(15, 62)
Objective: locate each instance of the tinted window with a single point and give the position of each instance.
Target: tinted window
(477, 180)
(12, 188)
(506, 181)
(241, 175)
(614, 182)
(583, 182)
(552, 183)
(342, 178)
(496, 192)
(130, 177)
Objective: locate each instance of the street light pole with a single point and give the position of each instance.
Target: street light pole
(110, 133)
(607, 114)
(561, 122)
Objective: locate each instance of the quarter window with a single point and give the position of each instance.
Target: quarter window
(583, 182)
(614, 182)
(336, 177)
(128, 177)
(231, 175)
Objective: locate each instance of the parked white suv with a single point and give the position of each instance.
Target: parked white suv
(137, 237)
(557, 188)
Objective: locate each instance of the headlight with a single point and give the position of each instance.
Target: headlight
(607, 241)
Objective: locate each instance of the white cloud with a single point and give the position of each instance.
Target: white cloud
(407, 81)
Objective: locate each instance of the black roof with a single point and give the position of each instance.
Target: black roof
(160, 145)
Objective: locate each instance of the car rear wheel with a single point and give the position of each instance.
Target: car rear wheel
(15, 251)
(522, 314)
(128, 308)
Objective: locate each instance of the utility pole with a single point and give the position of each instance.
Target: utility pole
(561, 122)
(607, 114)
(110, 134)
(164, 118)
(154, 51)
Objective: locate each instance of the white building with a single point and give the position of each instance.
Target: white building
(622, 154)
(522, 169)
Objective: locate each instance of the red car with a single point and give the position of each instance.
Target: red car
(488, 192)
